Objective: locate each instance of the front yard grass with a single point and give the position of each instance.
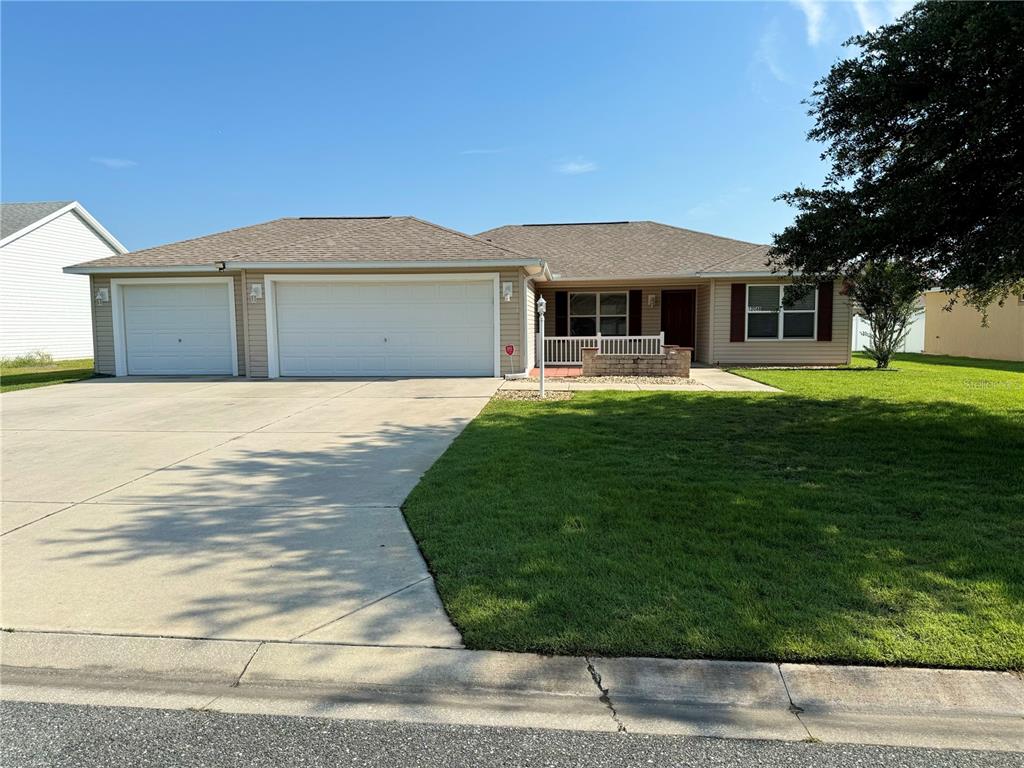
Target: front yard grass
(14, 377)
(860, 516)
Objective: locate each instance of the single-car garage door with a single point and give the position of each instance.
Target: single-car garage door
(177, 329)
(420, 328)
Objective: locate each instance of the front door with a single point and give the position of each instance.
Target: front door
(679, 316)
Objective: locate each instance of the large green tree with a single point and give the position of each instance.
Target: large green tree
(924, 129)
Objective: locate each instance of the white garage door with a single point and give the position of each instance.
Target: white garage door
(385, 329)
(177, 329)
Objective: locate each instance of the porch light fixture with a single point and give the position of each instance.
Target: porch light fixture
(652, 300)
(506, 290)
(102, 295)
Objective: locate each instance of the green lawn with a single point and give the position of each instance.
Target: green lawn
(861, 516)
(27, 376)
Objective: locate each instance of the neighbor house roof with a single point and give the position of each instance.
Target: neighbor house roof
(320, 242)
(18, 219)
(630, 249)
(14, 217)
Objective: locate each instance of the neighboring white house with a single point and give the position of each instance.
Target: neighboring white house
(914, 341)
(41, 308)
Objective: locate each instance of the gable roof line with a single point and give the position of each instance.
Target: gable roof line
(79, 209)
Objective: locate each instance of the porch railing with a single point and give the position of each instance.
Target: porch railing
(568, 350)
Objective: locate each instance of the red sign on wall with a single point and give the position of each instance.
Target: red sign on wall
(510, 349)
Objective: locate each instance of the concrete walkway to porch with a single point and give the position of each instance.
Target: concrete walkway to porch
(701, 380)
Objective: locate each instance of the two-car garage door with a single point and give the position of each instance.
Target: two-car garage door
(393, 328)
(315, 327)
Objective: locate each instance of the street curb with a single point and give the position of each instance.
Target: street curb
(905, 707)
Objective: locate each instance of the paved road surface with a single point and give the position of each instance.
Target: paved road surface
(83, 737)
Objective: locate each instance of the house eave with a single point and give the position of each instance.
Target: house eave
(390, 266)
(533, 267)
(83, 269)
(679, 276)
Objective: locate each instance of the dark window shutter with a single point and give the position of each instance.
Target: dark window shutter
(636, 313)
(738, 312)
(825, 312)
(561, 313)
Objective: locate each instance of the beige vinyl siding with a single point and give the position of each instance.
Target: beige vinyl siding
(702, 352)
(782, 352)
(959, 331)
(256, 323)
(530, 324)
(102, 328)
(650, 322)
(510, 315)
(103, 317)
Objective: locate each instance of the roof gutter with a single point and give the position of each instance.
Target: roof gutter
(762, 273)
(535, 266)
(662, 278)
(84, 269)
(532, 266)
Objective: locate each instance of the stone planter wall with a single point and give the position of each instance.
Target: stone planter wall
(675, 361)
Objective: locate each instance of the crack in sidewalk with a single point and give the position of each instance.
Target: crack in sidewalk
(793, 707)
(238, 680)
(605, 698)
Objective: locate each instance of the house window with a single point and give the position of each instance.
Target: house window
(776, 312)
(593, 313)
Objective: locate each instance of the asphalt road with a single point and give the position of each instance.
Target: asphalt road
(64, 735)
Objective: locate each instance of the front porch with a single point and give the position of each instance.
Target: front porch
(624, 320)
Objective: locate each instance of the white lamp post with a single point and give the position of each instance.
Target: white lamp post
(541, 306)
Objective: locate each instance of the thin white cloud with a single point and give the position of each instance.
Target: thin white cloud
(814, 13)
(117, 163)
(871, 14)
(766, 55)
(575, 167)
(495, 151)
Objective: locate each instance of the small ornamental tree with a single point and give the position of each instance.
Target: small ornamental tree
(889, 297)
(924, 130)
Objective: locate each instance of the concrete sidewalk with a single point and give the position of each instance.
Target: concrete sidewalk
(701, 380)
(793, 702)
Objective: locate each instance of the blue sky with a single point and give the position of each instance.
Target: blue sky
(173, 120)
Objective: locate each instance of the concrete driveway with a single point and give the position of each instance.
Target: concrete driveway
(225, 509)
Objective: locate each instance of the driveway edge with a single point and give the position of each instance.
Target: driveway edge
(891, 706)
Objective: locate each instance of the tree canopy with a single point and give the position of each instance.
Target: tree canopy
(924, 130)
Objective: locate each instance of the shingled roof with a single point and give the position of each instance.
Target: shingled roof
(629, 249)
(14, 217)
(318, 240)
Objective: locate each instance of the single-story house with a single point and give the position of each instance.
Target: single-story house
(42, 309)
(399, 296)
(959, 330)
